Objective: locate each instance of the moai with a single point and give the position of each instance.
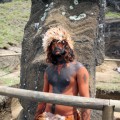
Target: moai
(84, 19)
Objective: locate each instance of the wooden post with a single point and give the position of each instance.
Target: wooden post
(108, 113)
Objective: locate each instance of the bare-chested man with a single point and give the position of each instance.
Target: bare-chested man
(64, 75)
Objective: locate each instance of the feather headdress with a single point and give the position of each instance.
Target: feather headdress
(56, 33)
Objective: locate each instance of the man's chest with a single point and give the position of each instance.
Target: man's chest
(60, 75)
(63, 76)
(60, 78)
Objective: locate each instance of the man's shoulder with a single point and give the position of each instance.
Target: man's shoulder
(78, 64)
(81, 69)
(48, 67)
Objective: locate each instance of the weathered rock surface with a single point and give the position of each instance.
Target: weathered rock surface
(112, 38)
(5, 108)
(86, 29)
(15, 108)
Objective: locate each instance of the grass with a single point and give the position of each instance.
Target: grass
(8, 77)
(108, 86)
(9, 81)
(6, 70)
(112, 15)
(13, 17)
(112, 85)
(106, 78)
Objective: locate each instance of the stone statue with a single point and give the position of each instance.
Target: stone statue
(85, 21)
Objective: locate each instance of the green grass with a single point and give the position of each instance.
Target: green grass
(13, 17)
(111, 14)
(108, 87)
(7, 78)
(9, 81)
(6, 70)
(112, 85)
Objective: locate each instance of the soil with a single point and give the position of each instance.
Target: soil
(5, 111)
(107, 77)
(108, 82)
(9, 76)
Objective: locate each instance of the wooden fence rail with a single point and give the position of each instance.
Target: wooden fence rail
(13, 54)
(77, 101)
(116, 60)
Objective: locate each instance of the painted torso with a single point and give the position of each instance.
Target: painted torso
(60, 76)
(62, 80)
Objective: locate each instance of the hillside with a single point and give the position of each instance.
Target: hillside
(13, 17)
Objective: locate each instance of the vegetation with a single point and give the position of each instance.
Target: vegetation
(112, 85)
(9, 81)
(9, 76)
(111, 14)
(13, 17)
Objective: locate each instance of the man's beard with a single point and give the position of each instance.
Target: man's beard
(60, 56)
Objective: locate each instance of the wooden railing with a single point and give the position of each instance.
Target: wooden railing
(107, 106)
(13, 54)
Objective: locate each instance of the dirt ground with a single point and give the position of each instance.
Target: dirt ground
(108, 80)
(106, 77)
(9, 76)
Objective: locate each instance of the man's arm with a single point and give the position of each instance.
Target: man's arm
(83, 87)
(41, 106)
(46, 84)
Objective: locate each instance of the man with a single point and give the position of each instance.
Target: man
(64, 75)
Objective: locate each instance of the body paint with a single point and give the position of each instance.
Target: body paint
(60, 78)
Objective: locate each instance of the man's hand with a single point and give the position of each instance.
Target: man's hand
(40, 110)
(85, 114)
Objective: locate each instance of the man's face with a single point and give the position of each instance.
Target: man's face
(58, 47)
